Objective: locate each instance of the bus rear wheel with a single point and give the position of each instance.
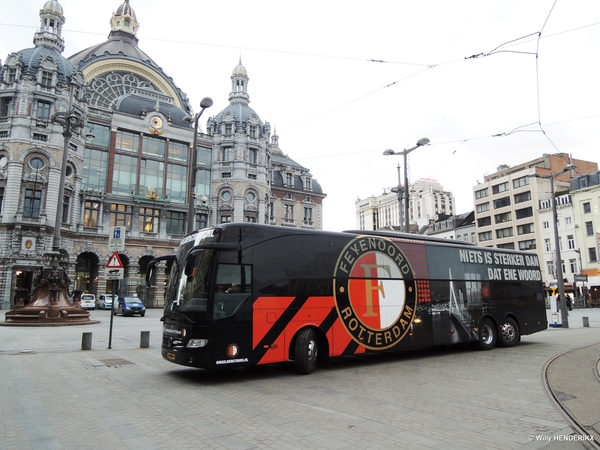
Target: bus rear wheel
(509, 333)
(306, 351)
(486, 335)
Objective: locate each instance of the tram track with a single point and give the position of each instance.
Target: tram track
(590, 439)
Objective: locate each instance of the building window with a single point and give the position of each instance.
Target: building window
(252, 131)
(519, 182)
(482, 193)
(527, 245)
(32, 203)
(289, 179)
(149, 220)
(226, 175)
(11, 75)
(502, 202)
(228, 129)
(65, 211)
(545, 224)
(573, 265)
(523, 197)
(501, 218)
(525, 229)
(1, 198)
(483, 207)
(568, 221)
(571, 242)
(250, 219)
(226, 218)
(508, 246)
(550, 267)
(587, 208)
(288, 213)
(121, 215)
(547, 245)
(176, 223)
(592, 254)
(502, 187)
(128, 142)
(525, 212)
(43, 110)
(227, 154)
(253, 156)
(46, 80)
(504, 232)
(5, 103)
(201, 221)
(589, 229)
(486, 236)
(308, 216)
(91, 213)
(484, 221)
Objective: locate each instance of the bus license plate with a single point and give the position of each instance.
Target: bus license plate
(171, 356)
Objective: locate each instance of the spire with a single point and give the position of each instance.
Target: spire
(51, 21)
(239, 85)
(125, 20)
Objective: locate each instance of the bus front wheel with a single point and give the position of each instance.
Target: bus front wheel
(509, 333)
(306, 351)
(486, 335)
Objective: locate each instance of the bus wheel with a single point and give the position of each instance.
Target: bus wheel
(509, 333)
(306, 351)
(486, 335)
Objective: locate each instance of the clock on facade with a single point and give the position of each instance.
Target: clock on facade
(156, 122)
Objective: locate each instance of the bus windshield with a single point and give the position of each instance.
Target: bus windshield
(189, 292)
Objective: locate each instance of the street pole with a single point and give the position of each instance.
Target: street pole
(559, 272)
(191, 225)
(63, 170)
(420, 143)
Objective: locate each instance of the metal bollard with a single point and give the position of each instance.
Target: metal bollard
(586, 322)
(144, 339)
(86, 341)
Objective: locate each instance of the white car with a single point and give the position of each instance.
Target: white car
(88, 301)
(105, 301)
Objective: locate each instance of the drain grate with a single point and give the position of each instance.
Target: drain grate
(115, 362)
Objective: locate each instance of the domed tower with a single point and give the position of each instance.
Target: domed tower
(39, 90)
(137, 167)
(240, 187)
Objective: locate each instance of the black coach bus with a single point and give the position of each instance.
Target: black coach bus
(244, 294)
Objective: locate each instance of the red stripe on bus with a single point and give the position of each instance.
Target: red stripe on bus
(265, 312)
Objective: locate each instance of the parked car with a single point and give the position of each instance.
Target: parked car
(88, 301)
(105, 301)
(128, 306)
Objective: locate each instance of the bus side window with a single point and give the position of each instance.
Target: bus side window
(233, 284)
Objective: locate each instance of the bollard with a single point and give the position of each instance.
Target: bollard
(144, 339)
(586, 322)
(86, 341)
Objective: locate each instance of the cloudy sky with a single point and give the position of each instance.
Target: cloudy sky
(488, 82)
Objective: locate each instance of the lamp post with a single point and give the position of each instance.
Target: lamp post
(559, 272)
(420, 143)
(69, 121)
(205, 103)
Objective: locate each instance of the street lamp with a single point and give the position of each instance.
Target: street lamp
(69, 121)
(420, 143)
(559, 272)
(191, 225)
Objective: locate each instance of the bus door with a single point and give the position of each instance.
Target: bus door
(232, 315)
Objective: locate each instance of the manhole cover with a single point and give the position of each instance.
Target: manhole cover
(115, 362)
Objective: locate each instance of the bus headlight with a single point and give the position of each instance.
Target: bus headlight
(197, 343)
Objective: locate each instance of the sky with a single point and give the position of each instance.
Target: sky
(488, 82)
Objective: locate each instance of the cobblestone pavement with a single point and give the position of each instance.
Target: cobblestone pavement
(53, 395)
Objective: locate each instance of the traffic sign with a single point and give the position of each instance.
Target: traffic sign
(116, 239)
(114, 262)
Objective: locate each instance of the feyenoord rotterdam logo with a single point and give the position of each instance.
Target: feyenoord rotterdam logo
(375, 292)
